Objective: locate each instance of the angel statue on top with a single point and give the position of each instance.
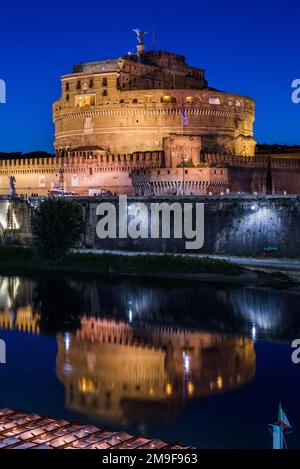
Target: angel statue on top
(140, 35)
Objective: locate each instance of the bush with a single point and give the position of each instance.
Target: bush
(57, 226)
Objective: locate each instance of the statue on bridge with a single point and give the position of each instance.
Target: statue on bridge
(12, 186)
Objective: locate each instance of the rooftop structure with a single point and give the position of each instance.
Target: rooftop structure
(19, 430)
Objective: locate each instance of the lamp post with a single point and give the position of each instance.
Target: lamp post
(183, 159)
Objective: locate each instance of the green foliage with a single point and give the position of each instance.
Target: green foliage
(118, 263)
(57, 226)
(167, 263)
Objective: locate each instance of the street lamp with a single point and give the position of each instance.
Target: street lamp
(183, 159)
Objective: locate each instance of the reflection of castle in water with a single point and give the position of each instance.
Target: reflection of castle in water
(127, 372)
(15, 311)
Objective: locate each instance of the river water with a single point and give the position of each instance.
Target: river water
(201, 365)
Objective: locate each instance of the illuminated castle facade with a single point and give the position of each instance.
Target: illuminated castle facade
(138, 124)
(136, 103)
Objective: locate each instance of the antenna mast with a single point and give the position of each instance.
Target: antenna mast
(154, 25)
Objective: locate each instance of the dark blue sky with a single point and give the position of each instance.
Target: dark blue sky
(250, 48)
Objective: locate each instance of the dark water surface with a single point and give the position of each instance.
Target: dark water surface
(199, 365)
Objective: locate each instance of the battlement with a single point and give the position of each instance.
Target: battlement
(259, 161)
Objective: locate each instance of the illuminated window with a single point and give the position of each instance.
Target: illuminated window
(169, 389)
(238, 104)
(189, 99)
(148, 99)
(85, 100)
(214, 101)
(168, 99)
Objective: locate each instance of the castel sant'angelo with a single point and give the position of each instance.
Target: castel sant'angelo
(148, 123)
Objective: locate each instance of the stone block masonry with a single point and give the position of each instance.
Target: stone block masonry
(246, 226)
(233, 225)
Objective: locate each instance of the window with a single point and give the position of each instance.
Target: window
(104, 93)
(67, 97)
(214, 101)
(134, 101)
(148, 99)
(67, 86)
(91, 171)
(121, 101)
(78, 85)
(104, 81)
(189, 99)
(168, 99)
(91, 83)
(85, 100)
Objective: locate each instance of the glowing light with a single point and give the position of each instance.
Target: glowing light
(253, 331)
(169, 389)
(86, 385)
(67, 341)
(219, 382)
(186, 362)
(67, 368)
(191, 388)
(151, 391)
(130, 312)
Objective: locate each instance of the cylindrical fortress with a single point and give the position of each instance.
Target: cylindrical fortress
(132, 104)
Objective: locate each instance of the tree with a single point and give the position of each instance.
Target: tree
(57, 226)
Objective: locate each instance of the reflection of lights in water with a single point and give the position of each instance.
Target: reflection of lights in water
(219, 382)
(151, 391)
(265, 311)
(254, 207)
(8, 291)
(190, 388)
(67, 368)
(186, 362)
(169, 389)
(253, 331)
(86, 385)
(67, 341)
(130, 311)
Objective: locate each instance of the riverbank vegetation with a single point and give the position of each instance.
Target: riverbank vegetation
(118, 263)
